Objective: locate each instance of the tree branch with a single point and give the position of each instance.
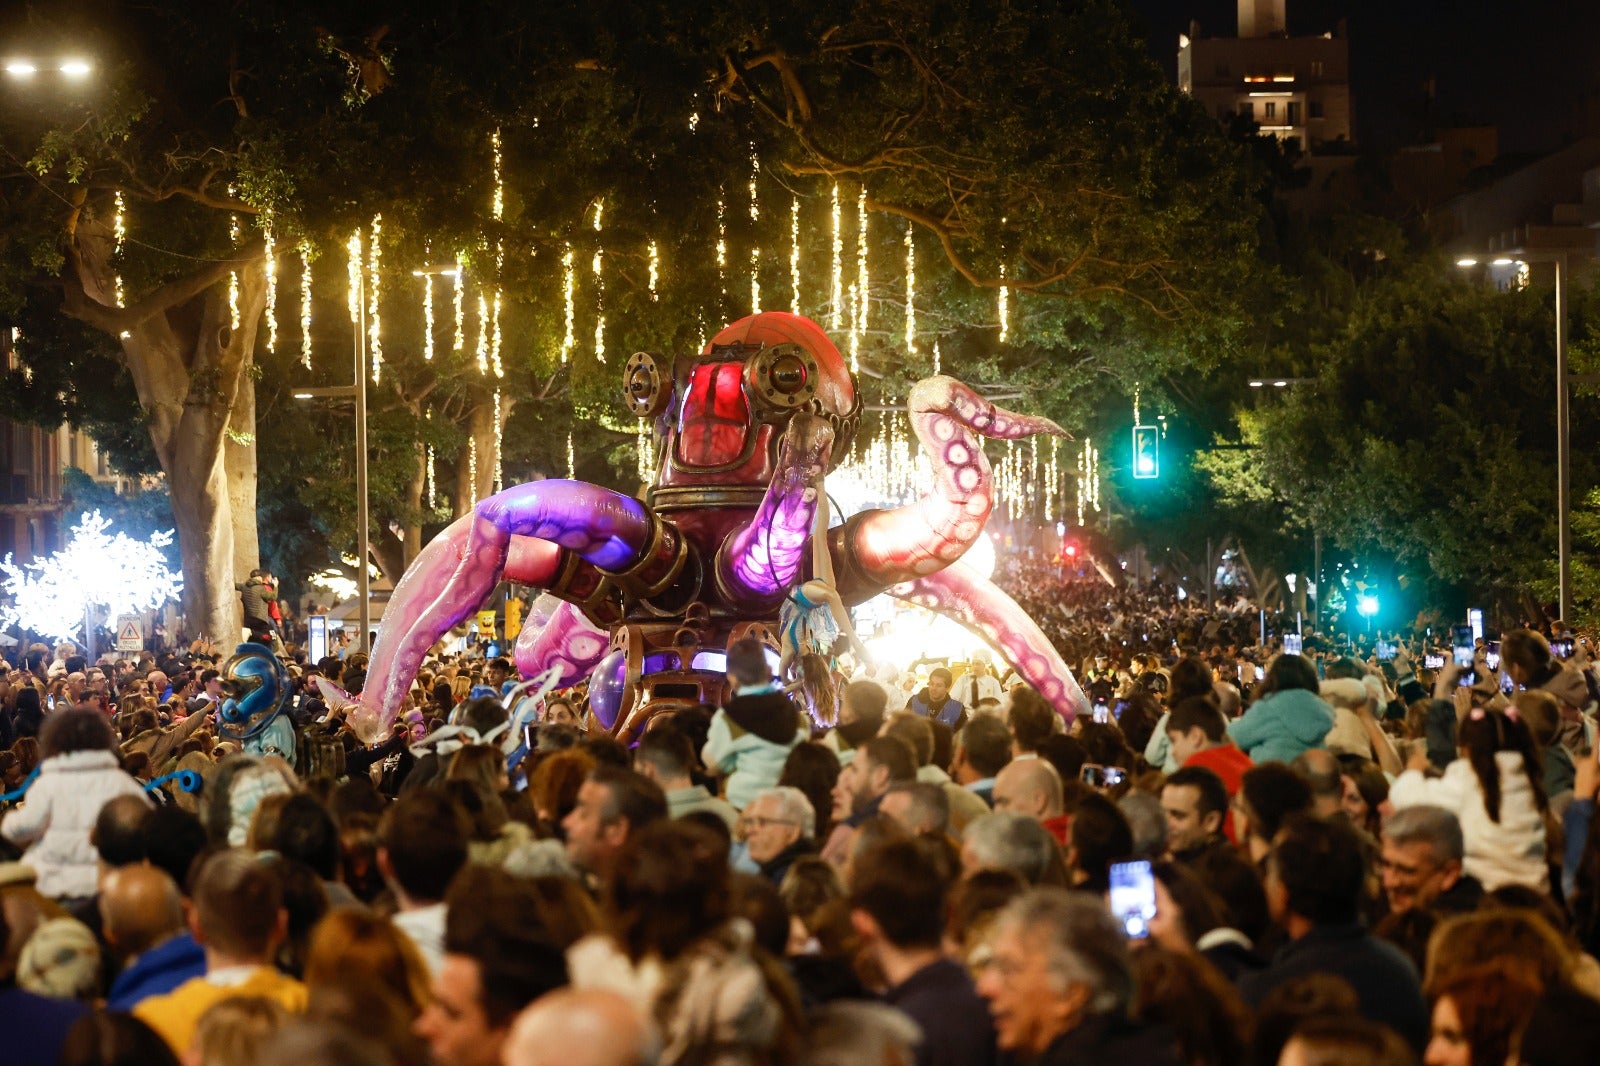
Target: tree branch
(119, 320)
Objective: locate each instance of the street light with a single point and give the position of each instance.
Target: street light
(357, 392)
(24, 69)
(1366, 607)
(1563, 419)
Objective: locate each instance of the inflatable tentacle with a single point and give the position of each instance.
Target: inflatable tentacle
(461, 566)
(876, 549)
(979, 605)
(568, 641)
(763, 559)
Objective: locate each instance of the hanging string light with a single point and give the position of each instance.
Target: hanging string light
(460, 308)
(862, 289)
(855, 329)
(936, 356)
(722, 244)
(427, 316)
(596, 266)
(836, 316)
(1053, 473)
(794, 256)
(472, 468)
(645, 452)
(499, 432)
(272, 282)
(374, 323)
(1136, 419)
(570, 297)
(911, 291)
(572, 467)
(499, 202)
(119, 230)
(305, 304)
(494, 340)
(233, 276)
(497, 209)
(1005, 307)
(433, 499)
(755, 218)
(482, 349)
(655, 270)
(755, 281)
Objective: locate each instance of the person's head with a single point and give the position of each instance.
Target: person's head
(211, 683)
(897, 895)
(915, 731)
(351, 944)
(560, 711)
(498, 959)
(1423, 851)
(1480, 1014)
(938, 686)
(1029, 786)
(1345, 1040)
(173, 839)
(669, 889)
(1099, 836)
(1482, 735)
(1191, 679)
(498, 671)
(481, 763)
(612, 803)
(861, 710)
(112, 1038)
(1324, 775)
(1057, 960)
(777, 819)
(306, 832)
(1181, 990)
(1195, 801)
(65, 732)
(1492, 936)
(118, 833)
(983, 748)
(422, 844)
(747, 663)
(140, 908)
(666, 756)
(231, 1031)
(921, 807)
(1315, 872)
(239, 913)
(1194, 725)
(483, 714)
(1009, 841)
(1268, 794)
(581, 1027)
(1031, 720)
(1186, 908)
(1288, 672)
(1526, 656)
(879, 763)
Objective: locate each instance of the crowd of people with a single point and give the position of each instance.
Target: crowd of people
(1346, 862)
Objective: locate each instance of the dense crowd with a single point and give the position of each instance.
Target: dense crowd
(1339, 864)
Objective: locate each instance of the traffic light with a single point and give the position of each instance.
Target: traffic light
(1146, 452)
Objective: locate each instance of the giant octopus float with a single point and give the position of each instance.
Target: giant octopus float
(655, 590)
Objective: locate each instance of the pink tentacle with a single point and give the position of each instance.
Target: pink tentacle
(985, 610)
(762, 560)
(568, 640)
(876, 549)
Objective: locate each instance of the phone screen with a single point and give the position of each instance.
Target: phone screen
(1461, 645)
(1133, 897)
(1561, 648)
(1292, 644)
(1492, 659)
(1101, 777)
(1433, 662)
(1261, 673)
(1102, 713)
(1387, 650)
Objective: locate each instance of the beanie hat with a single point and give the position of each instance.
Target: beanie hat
(1345, 691)
(60, 960)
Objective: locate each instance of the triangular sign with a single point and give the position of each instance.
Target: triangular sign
(129, 631)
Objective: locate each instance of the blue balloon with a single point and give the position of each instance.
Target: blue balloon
(606, 686)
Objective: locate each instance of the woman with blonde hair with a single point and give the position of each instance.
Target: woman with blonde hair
(483, 763)
(232, 1031)
(354, 946)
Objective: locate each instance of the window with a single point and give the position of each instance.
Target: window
(1294, 112)
(1272, 109)
(1316, 68)
(1316, 109)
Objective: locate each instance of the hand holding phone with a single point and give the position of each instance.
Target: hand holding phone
(1133, 897)
(1101, 777)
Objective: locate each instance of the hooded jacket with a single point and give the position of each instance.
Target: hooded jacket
(57, 815)
(1281, 725)
(750, 740)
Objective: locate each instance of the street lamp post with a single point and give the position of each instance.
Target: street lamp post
(357, 392)
(1563, 424)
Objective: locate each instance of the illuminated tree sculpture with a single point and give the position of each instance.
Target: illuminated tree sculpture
(116, 574)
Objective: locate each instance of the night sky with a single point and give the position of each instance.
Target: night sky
(1530, 67)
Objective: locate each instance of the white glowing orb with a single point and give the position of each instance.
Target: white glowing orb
(116, 574)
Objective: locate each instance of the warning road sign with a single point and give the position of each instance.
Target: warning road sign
(129, 638)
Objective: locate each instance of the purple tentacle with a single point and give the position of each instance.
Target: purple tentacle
(763, 559)
(567, 640)
(978, 604)
(460, 567)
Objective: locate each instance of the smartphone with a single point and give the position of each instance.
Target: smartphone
(1101, 777)
(1433, 662)
(1507, 685)
(1387, 650)
(1292, 644)
(1133, 897)
(1562, 648)
(1261, 673)
(1102, 713)
(1475, 622)
(1461, 645)
(1469, 677)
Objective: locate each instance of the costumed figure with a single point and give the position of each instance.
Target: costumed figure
(655, 590)
(255, 707)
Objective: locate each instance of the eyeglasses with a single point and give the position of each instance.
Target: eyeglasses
(758, 822)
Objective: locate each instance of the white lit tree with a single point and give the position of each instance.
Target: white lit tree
(117, 574)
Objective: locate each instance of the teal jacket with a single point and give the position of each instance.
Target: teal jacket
(1280, 726)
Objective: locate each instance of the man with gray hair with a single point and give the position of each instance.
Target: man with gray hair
(779, 827)
(581, 1027)
(1421, 863)
(1006, 840)
(921, 807)
(1059, 983)
(1032, 787)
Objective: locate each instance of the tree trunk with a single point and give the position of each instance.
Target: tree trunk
(191, 369)
(412, 546)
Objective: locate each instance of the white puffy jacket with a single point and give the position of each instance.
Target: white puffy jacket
(1507, 852)
(57, 815)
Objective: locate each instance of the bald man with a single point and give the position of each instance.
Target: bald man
(580, 1027)
(1032, 787)
(142, 914)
